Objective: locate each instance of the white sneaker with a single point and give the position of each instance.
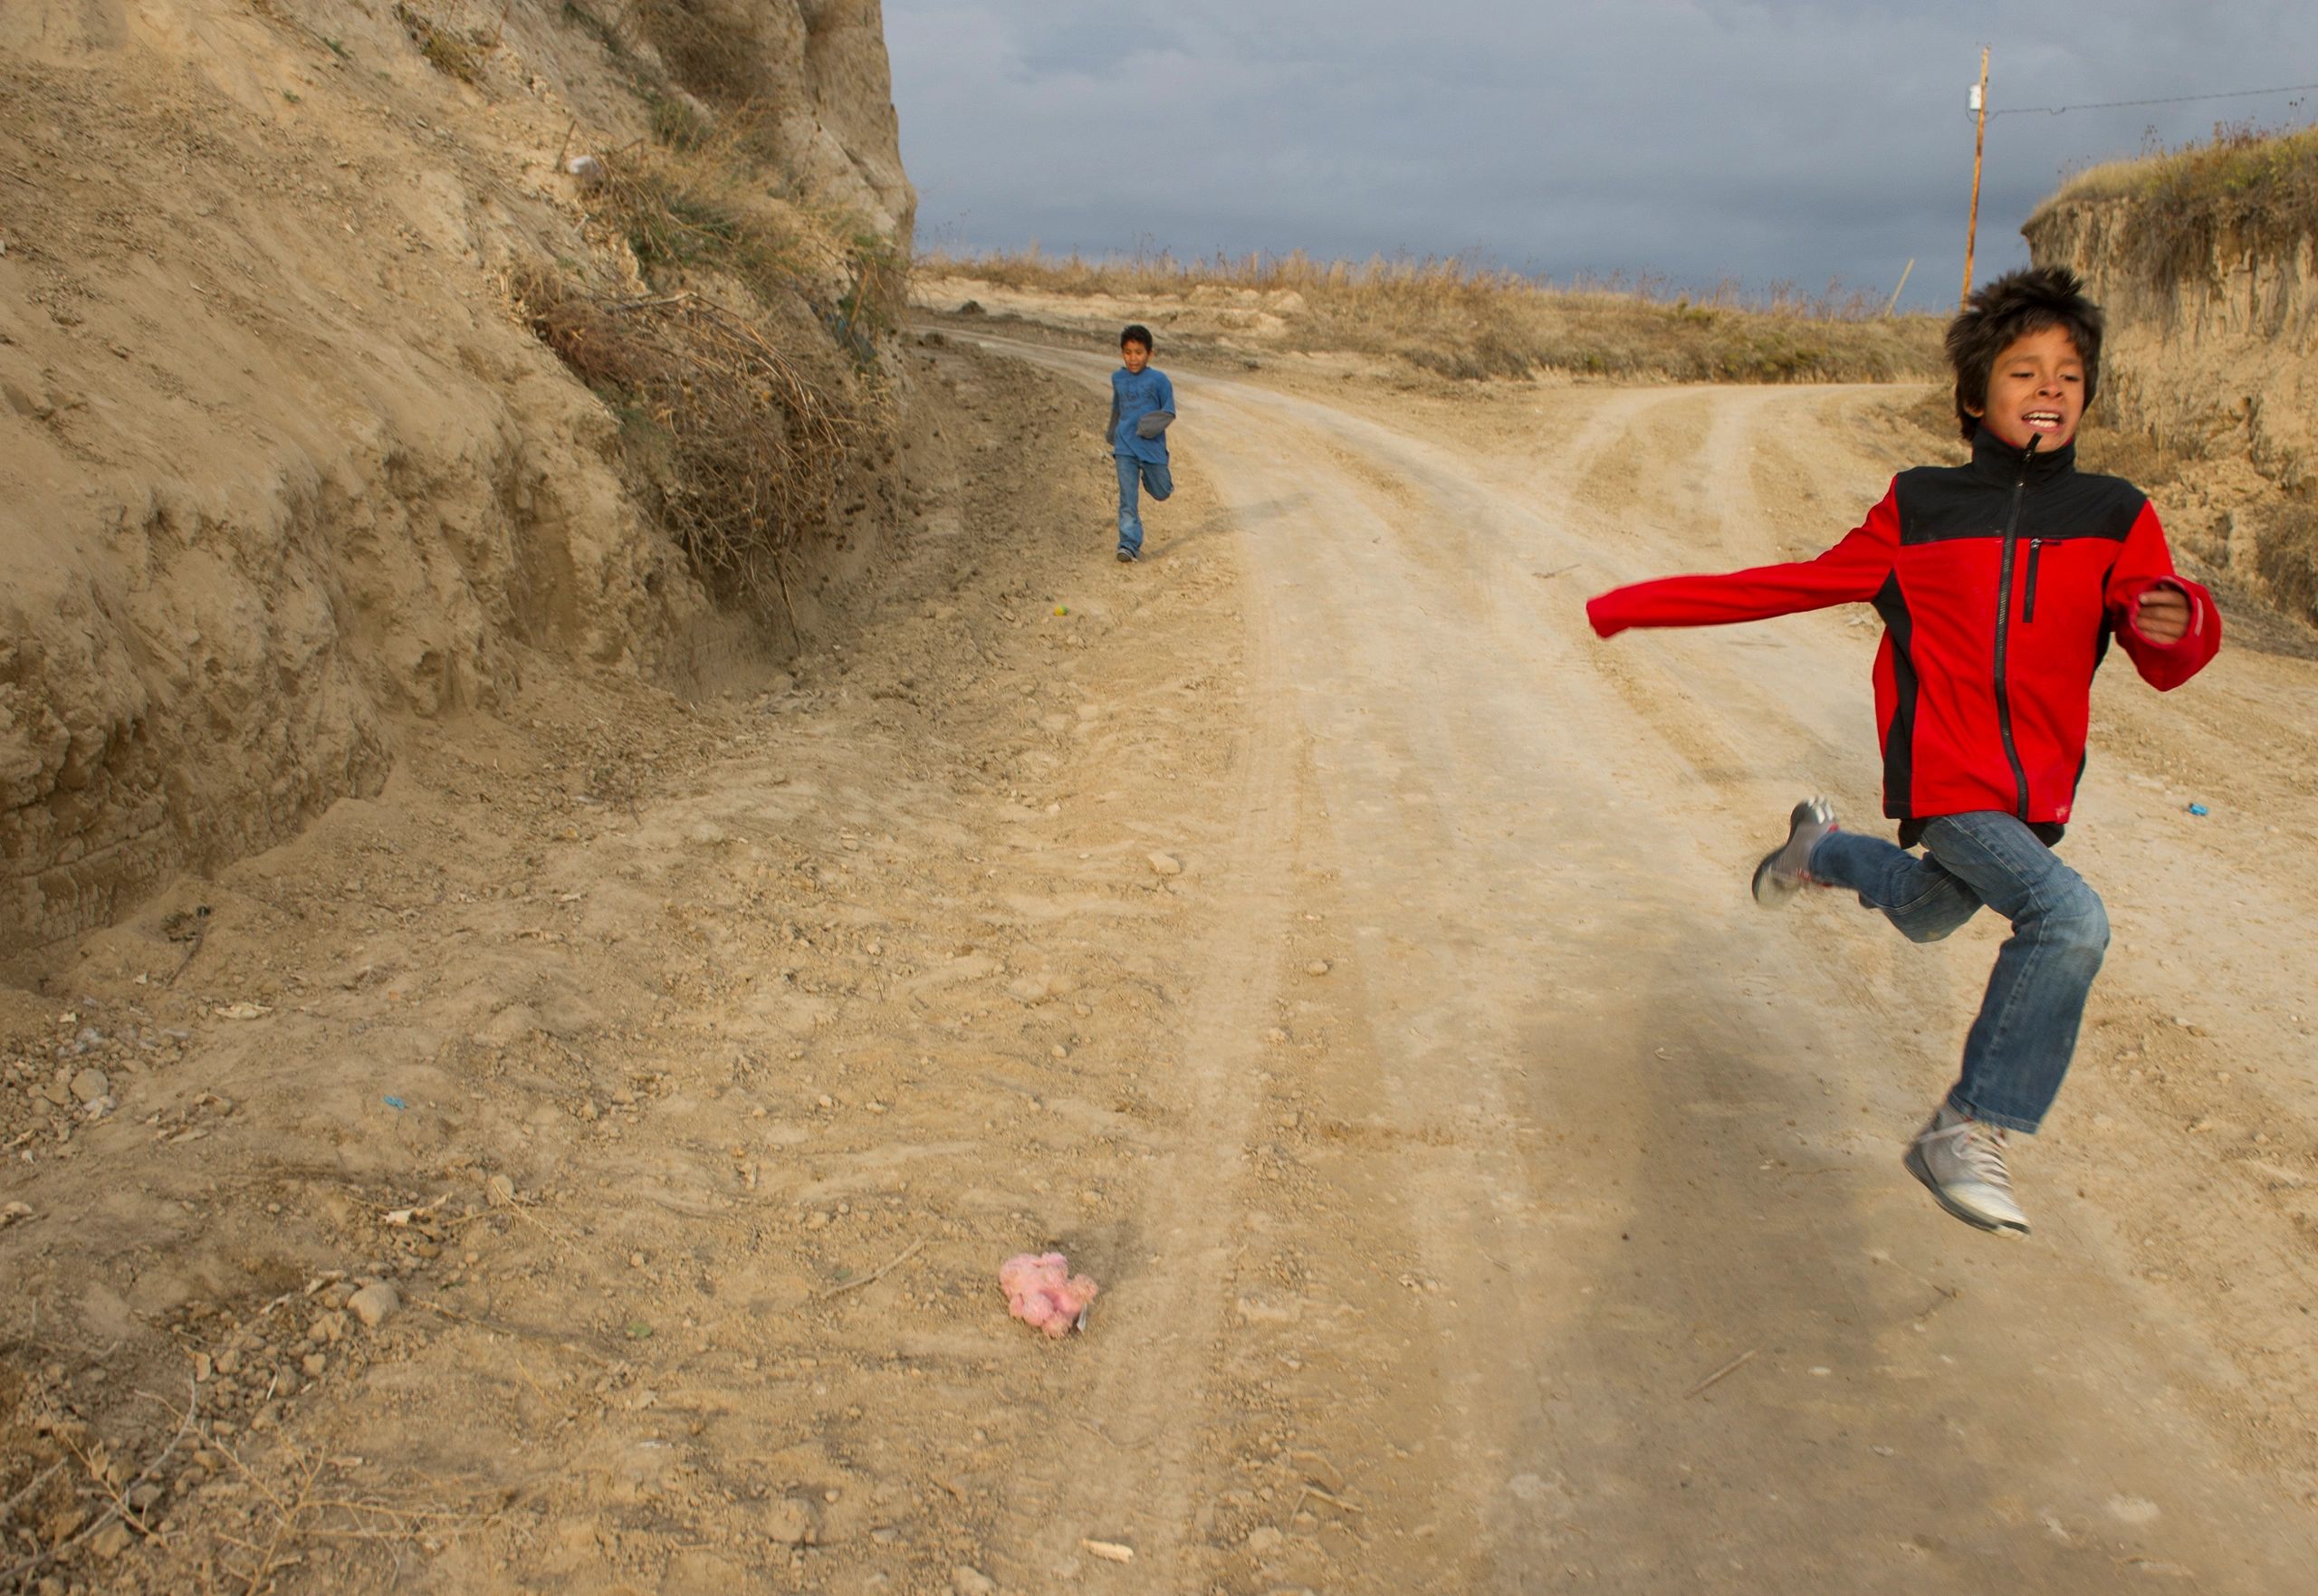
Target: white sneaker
(1961, 1161)
(1785, 869)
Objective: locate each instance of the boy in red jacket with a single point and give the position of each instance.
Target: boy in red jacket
(2000, 583)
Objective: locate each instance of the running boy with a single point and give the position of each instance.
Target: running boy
(1143, 404)
(2000, 583)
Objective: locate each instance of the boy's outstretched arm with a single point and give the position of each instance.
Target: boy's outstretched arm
(1849, 573)
(2167, 624)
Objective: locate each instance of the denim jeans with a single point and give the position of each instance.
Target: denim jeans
(2020, 1046)
(1153, 478)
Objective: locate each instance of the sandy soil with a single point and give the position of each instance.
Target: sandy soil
(1315, 932)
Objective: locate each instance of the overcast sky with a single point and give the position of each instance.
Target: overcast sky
(1695, 141)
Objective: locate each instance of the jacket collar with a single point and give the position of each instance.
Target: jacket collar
(1999, 461)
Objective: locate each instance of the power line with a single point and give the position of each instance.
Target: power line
(2054, 110)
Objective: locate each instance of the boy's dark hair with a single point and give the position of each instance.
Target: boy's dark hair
(1136, 333)
(2006, 309)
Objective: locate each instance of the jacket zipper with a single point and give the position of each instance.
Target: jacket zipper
(2029, 593)
(2003, 633)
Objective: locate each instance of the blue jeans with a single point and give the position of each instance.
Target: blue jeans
(1153, 476)
(2020, 1046)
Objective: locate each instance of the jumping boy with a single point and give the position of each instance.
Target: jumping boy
(2000, 583)
(1143, 404)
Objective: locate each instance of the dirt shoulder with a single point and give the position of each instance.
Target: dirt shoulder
(628, 1042)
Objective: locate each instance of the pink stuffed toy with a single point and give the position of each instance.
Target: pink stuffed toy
(1043, 1293)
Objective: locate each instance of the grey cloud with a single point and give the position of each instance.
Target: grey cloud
(1698, 141)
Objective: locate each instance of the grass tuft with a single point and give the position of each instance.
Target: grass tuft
(453, 54)
(685, 210)
(675, 125)
(596, 27)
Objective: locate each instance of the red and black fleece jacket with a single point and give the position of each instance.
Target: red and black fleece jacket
(2000, 583)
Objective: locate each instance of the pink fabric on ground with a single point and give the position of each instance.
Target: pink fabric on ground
(1041, 1291)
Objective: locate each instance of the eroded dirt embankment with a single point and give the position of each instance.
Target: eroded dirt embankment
(281, 471)
(2212, 353)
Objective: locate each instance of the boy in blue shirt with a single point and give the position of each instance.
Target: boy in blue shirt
(1143, 402)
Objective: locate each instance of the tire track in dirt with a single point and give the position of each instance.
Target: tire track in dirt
(1397, 1029)
(1154, 1389)
(1347, 1221)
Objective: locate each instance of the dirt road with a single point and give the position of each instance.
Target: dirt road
(1591, 1126)
(1348, 958)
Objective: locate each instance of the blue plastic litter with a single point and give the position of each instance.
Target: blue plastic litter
(395, 1102)
(2199, 810)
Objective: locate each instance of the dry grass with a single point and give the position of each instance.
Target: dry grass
(1456, 319)
(2287, 554)
(456, 56)
(731, 446)
(708, 191)
(680, 211)
(745, 371)
(2243, 188)
(696, 203)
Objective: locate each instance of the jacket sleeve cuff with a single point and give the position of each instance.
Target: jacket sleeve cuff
(2129, 602)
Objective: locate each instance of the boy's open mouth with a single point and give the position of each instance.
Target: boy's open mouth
(2043, 420)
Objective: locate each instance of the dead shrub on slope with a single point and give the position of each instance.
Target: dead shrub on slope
(719, 328)
(732, 448)
(452, 53)
(678, 211)
(699, 200)
(2287, 556)
(730, 320)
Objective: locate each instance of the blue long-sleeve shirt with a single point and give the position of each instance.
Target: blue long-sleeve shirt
(1133, 396)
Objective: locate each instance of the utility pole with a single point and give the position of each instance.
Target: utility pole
(1892, 303)
(1980, 141)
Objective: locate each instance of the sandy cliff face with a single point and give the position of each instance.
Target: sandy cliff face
(2220, 362)
(839, 107)
(277, 466)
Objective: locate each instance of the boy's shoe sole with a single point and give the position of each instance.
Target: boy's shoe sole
(1784, 870)
(1128, 556)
